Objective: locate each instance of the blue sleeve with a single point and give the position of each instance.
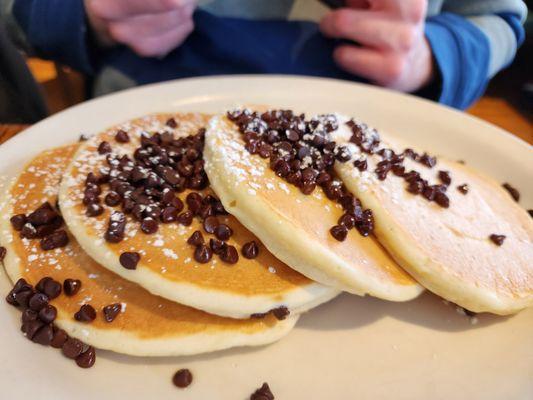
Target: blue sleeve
(513, 20)
(462, 55)
(56, 29)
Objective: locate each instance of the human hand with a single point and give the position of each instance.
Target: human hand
(151, 28)
(392, 51)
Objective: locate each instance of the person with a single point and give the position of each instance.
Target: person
(446, 50)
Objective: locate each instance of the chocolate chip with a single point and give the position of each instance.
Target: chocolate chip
(445, 178)
(497, 239)
(44, 335)
(29, 315)
(52, 288)
(104, 148)
(122, 136)
(23, 296)
(169, 214)
(281, 312)
(196, 239)
(182, 378)
(3, 252)
(185, 218)
(111, 311)
(43, 215)
(210, 224)
(129, 259)
(18, 221)
(515, 194)
(94, 210)
(530, 213)
(218, 246)
(59, 338)
(30, 328)
(223, 232)
(72, 348)
(428, 160)
(263, 393)
(87, 358)
(112, 199)
(442, 199)
(48, 314)
(463, 188)
(86, 313)
(203, 254)
(28, 231)
(149, 226)
(250, 250)
(116, 227)
(55, 240)
(40, 285)
(171, 122)
(229, 255)
(71, 286)
(347, 220)
(339, 232)
(38, 301)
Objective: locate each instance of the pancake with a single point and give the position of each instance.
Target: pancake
(149, 325)
(168, 265)
(296, 227)
(449, 250)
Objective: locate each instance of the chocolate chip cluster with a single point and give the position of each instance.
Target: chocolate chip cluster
(301, 152)
(44, 223)
(369, 142)
(38, 316)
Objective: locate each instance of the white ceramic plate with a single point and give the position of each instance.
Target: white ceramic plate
(351, 348)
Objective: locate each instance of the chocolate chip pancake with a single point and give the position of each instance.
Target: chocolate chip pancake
(456, 231)
(264, 170)
(137, 199)
(95, 305)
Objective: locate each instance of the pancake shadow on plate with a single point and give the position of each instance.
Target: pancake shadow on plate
(428, 310)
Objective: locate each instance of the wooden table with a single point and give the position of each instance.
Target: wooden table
(494, 110)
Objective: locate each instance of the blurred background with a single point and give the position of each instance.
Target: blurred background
(43, 88)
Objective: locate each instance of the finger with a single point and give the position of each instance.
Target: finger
(129, 29)
(370, 28)
(161, 45)
(407, 10)
(359, 4)
(383, 68)
(118, 9)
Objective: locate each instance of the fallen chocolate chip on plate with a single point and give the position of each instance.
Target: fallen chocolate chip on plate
(263, 393)
(182, 378)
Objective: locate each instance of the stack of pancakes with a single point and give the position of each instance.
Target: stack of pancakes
(207, 232)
